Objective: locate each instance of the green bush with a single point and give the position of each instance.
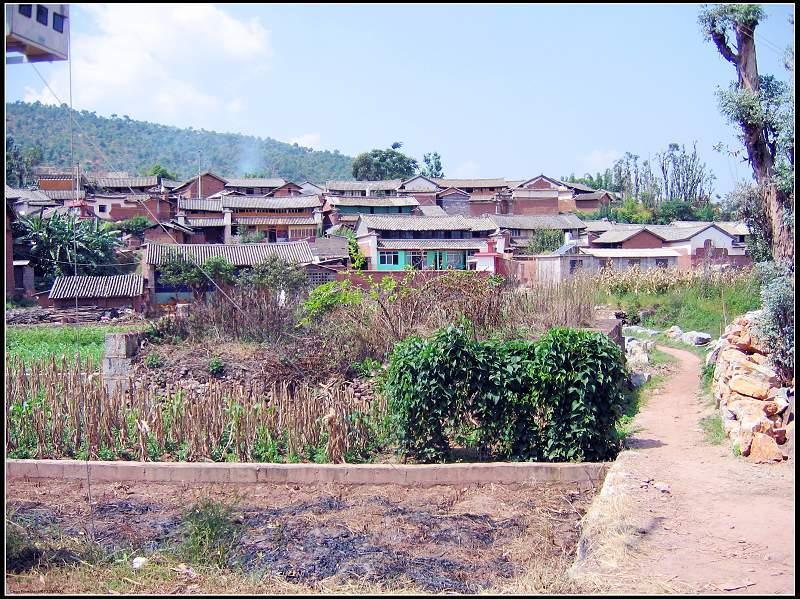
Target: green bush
(153, 360)
(554, 400)
(776, 326)
(215, 366)
(325, 298)
(577, 393)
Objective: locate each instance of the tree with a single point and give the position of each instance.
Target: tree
(433, 166)
(56, 244)
(135, 225)
(179, 271)
(276, 274)
(379, 165)
(761, 107)
(544, 241)
(20, 162)
(162, 172)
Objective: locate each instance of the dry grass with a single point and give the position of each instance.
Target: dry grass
(54, 409)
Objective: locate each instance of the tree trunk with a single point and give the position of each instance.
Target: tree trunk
(782, 238)
(758, 152)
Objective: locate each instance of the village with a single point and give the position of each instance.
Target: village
(482, 225)
(252, 348)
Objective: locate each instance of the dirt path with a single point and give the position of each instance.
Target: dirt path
(724, 525)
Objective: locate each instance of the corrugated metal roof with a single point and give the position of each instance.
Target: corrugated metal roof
(245, 254)
(200, 205)
(268, 182)
(97, 287)
(367, 201)
(274, 220)
(431, 244)
(124, 181)
(561, 221)
(380, 222)
(385, 185)
(270, 203)
(630, 253)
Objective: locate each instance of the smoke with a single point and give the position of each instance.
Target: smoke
(251, 158)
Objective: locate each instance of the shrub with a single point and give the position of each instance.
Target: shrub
(153, 360)
(210, 531)
(252, 237)
(577, 392)
(215, 366)
(557, 399)
(325, 298)
(776, 326)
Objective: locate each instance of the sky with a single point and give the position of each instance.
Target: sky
(498, 90)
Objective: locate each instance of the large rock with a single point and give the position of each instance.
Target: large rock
(750, 386)
(637, 330)
(637, 379)
(696, 338)
(765, 449)
(718, 346)
(673, 332)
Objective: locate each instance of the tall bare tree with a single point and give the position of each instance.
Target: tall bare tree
(748, 103)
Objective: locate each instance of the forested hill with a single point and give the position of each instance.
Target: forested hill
(135, 146)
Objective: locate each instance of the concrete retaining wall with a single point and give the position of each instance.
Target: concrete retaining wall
(587, 475)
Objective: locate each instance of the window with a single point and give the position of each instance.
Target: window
(575, 265)
(634, 262)
(102, 208)
(388, 258)
(41, 14)
(661, 262)
(58, 22)
(26, 10)
(417, 260)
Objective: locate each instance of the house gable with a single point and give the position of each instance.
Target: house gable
(540, 182)
(419, 183)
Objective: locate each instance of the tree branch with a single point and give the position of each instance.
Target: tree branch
(721, 41)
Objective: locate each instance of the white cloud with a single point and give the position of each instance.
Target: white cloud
(308, 140)
(599, 160)
(465, 170)
(171, 63)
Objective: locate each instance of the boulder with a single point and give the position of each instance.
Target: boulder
(637, 330)
(750, 386)
(765, 449)
(695, 338)
(673, 332)
(718, 346)
(637, 379)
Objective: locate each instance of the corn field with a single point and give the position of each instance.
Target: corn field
(54, 409)
(663, 280)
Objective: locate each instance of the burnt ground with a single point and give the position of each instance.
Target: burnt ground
(440, 539)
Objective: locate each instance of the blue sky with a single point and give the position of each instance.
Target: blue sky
(497, 90)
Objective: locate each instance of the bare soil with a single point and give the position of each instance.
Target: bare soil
(724, 524)
(438, 539)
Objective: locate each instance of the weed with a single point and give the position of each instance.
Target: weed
(153, 360)
(215, 366)
(210, 531)
(713, 429)
(736, 449)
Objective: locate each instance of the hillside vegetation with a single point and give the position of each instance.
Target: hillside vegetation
(135, 146)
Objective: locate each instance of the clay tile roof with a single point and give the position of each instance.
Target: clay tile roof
(382, 222)
(124, 182)
(270, 182)
(246, 254)
(97, 287)
(561, 221)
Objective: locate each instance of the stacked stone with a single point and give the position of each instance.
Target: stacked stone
(754, 406)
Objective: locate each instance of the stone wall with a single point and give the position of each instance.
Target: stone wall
(757, 411)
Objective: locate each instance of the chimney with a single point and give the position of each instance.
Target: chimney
(491, 244)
